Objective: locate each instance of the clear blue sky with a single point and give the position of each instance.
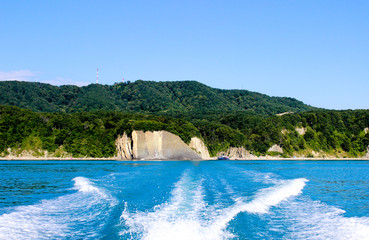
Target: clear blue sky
(315, 51)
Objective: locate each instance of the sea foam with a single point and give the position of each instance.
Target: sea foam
(179, 218)
(308, 219)
(68, 216)
(263, 200)
(187, 216)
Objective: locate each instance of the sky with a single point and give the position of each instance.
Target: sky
(316, 51)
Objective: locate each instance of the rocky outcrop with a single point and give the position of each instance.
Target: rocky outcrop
(275, 148)
(301, 130)
(199, 146)
(366, 130)
(367, 154)
(158, 145)
(124, 147)
(284, 131)
(237, 153)
(284, 113)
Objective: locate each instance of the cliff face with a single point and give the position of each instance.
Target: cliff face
(158, 145)
(124, 147)
(199, 147)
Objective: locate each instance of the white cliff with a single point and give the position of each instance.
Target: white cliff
(199, 147)
(124, 147)
(159, 145)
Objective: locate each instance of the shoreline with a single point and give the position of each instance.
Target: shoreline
(146, 160)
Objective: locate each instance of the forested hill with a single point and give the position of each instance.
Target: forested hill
(165, 98)
(92, 134)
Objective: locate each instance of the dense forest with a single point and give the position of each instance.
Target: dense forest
(176, 99)
(92, 134)
(84, 134)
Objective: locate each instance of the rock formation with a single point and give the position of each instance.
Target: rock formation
(124, 147)
(284, 131)
(237, 153)
(159, 145)
(275, 148)
(199, 147)
(367, 154)
(284, 113)
(301, 130)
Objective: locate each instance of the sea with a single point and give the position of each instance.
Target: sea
(184, 200)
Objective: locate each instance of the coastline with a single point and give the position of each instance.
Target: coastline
(144, 160)
(55, 159)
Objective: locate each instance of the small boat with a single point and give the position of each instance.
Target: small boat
(223, 158)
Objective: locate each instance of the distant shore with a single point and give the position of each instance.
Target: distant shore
(56, 159)
(211, 159)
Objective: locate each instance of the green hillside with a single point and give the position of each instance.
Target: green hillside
(92, 134)
(180, 98)
(85, 121)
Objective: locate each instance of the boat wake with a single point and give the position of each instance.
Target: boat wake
(77, 215)
(307, 219)
(201, 205)
(188, 216)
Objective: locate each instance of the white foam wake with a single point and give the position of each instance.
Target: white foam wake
(187, 216)
(179, 218)
(83, 184)
(272, 196)
(68, 216)
(314, 220)
(263, 200)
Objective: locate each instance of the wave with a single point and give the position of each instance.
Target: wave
(68, 216)
(303, 217)
(313, 220)
(187, 216)
(263, 200)
(83, 184)
(179, 218)
(272, 196)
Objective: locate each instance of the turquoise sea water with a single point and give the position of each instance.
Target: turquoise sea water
(184, 200)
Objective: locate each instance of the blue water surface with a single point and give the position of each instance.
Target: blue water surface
(184, 200)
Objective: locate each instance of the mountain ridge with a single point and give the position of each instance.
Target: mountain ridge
(168, 98)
